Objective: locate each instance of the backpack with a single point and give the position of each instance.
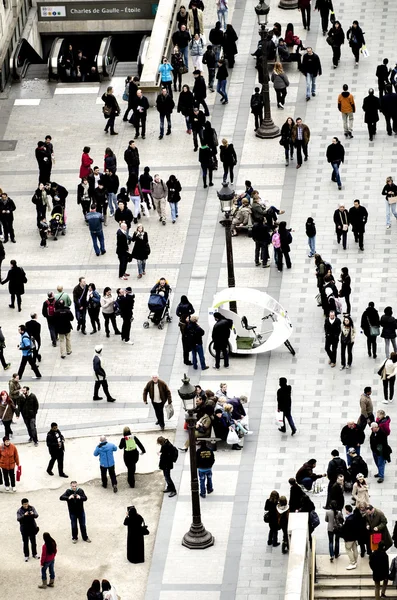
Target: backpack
(276, 240)
(338, 522)
(50, 308)
(256, 101)
(314, 519)
(130, 444)
(175, 454)
(328, 266)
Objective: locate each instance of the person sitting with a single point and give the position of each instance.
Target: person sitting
(246, 194)
(305, 476)
(203, 427)
(241, 217)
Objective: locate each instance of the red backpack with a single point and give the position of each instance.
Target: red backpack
(50, 308)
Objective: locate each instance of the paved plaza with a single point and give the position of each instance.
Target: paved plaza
(191, 255)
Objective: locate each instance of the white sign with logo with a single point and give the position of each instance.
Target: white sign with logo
(52, 11)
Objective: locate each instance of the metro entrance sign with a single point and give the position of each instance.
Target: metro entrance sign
(82, 11)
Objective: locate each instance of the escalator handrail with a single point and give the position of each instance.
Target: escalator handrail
(15, 71)
(53, 57)
(143, 48)
(103, 69)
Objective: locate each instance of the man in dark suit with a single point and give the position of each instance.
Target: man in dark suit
(123, 240)
(33, 328)
(220, 338)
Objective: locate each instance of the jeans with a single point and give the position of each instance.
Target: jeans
(168, 480)
(25, 538)
(221, 89)
(30, 423)
(162, 117)
(331, 347)
(98, 236)
(305, 12)
(221, 350)
(222, 18)
(349, 348)
(290, 420)
(348, 457)
(158, 408)
(387, 346)
(312, 245)
(281, 95)
(112, 202)
(9, 477)
(136, 205)
(205, 474)
(347, 119)
(50, 566)
(211, 78)
(28, 359)
(228, 168)
(388, 387)
(371, 345)
(104, 476)
(335, 173)
(393, 208)
(351, 551)
(380, 463)
(75, 532)
(310, 84)
(64, 343)
(262, 251)
(198, 349)
(141, 266)
(174, 210)
(110, 123)
(188, 123)
(217, 49)
(112, 318)
(105, 387)
(331, 537)
(185, 54)
(307, 483)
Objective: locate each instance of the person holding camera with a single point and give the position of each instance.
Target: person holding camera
(136, 530)
(390, 193)
(75, 497)
(26, 516)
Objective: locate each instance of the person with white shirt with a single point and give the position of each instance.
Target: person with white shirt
(387, 372)
(332, 329)
(159, 393)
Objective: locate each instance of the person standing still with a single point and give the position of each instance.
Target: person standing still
(304, 6)
(332, 329)
(379, 564)
(389, 327)
(75, 497)
(48, 553)
(95, 220)
(56, 447)
(347, 107)
(63, 318)
(370, 324)
(311, 68)
(300, 137)
(284, 405)
(28, 406)
(195, 336)
(341, 220)
(311, 236)
(16, 279)
(159, 393)
(26, 517)
(105, 450)
(168, 455)
(257, 108)
(205, 459)
(350, 533)
(220, 339)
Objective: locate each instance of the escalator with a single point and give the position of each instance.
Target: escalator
(26, 63)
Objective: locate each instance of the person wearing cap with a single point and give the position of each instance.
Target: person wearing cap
(48, 312)
(100, 376)
(341, 220)
(105, 450)
(371, 108)
(380, 450)
(360, 490)
(159, 393)
(352, 437)
(336, 156)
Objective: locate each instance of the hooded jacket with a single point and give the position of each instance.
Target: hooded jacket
(346, 103)
(105, 452)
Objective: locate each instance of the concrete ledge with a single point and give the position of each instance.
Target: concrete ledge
(297, 580)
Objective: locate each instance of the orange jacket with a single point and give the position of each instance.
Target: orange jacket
(9, 457)
(346, 103)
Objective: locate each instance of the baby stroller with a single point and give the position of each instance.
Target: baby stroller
(159, 311)
(57, 222)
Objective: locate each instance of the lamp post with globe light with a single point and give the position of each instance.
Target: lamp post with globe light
(226, 197)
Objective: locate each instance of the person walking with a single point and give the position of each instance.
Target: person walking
(105, 450)
(131, 88)
(334, 520)
(216, 37)
(4, 363)
(336, 156)
(324, 7)
(174, 196)
(159, 192)
(130, 444)
(228, 158)
(311, 68)
(284, 405)
(135, 537)
(140, 114)
(376, 522)
(304, 6)
(165, 70)
(221, 76)
(229, 45)
(387, 373)
(285, 239)
(16, 279)
(332, 329)
(9, 459)
(380, 449)
(205, 459)
(341, 220)
(195, 338)
(25, 345)
(220, 339)
(26, 517)
(7, 410)
(185, 106)
(181, 38)
(100, 376)
(63, 318)
(206, 162)
(280, 84)
(256, 104)
(123, 241)
(95, 220)
(126, 307)
(80, 303)
(7, 208)
(197, 122)
(183, 311)
(311, 236)
(388, 108)
(347, 107)
(168, 455)
(159, 393)
(345, 289)
(370, 324)
(27, 405)
(336, 37)
(75, 497)
(165, 105)
(358, 217)
(300, 136)
(110, 110)
(44, 162)
(389, 327)
(347, 338)
(286, 140)
(94, 307)
(271, 518)
(371, 108)
(211, 61)
(390, 193)
(200, 91)
(366, 409)
(48, 553)
(48, 312)
(356, 39)
(383, 74)
(56, 448)
(33, 329)
(131, 157)
(379, 564)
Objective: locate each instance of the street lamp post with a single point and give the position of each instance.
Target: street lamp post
(226, 197)
(267, 129)
(197, 538)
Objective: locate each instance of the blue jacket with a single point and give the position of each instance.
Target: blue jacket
(165, 71)
(94, 220)
(105, 452)
(25, 345)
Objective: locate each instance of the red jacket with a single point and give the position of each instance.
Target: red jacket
(85, 169)
(45, 556)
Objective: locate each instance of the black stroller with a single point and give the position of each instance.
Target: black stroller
(159, 311)
(57, 222)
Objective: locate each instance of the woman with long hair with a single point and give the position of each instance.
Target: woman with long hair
(48, 553)
(280, 84)
(108, 311)
(86, 162)
(336, 37)
(228, 158)
(7, 410)
(334, 518)
(286, 139)
(94, 307)
(94, 593)
(141, 249)
(271, 517)
(347, 336)
(345, 290)
(360, 490)
(285, 241)
(185, 106)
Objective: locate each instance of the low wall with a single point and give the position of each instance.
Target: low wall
(297, 585)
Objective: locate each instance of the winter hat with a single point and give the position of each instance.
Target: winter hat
(352, 451)
(128, 289)
(98, 349)
(218, 410)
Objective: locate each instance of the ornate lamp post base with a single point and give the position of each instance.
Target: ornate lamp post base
(267, 129)
(288, 4)
(198, 538)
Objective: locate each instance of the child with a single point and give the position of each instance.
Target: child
(43, 230)
(311, 236)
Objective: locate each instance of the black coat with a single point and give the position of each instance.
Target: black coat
(124, 215)
(355, 36)
(379, 445)
(141, 247)
(336, 494)
(131, 157)
(174, 190)
(63, 318)
(389, 326)
(358, 218)
(311, 64)
(75, 506)
(357, 465)
(185, 103)
(371, 108)
(369, 317)
(228, 155)
(332, 329)
(257, 105)
(350, 531)
(352, 437)
(284, 399)
(379, 563)
(221, 332)
(52, 442)
(16, 279)
(388, 105)
(135, 541)
(194, 334)
(165, 104)
(33, 328)
(199, 88)
(126, 305)
(197, 120)
(336, 466)
(261, 233)
(205, 156)
(121, 243)
(335, 153)
(111, 101)
(229, 42)
(341, 217)
(295, 497)
(166, 456)
(271, 508)
(9, 205)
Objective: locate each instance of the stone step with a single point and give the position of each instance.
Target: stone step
(352, 593)
(340, 582)
(126, 68)
(337, 568)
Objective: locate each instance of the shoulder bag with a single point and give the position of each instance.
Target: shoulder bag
(374, 330)
(145, 530)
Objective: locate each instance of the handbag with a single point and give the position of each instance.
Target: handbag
(145, 530)
(266, 517)
(329, 40)
(107, 111)
(314, 519)
(148, 249)
(364, 51)
(169, 409)
(374, 330)
(183, 70)
(19, 473)
(232, 437)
